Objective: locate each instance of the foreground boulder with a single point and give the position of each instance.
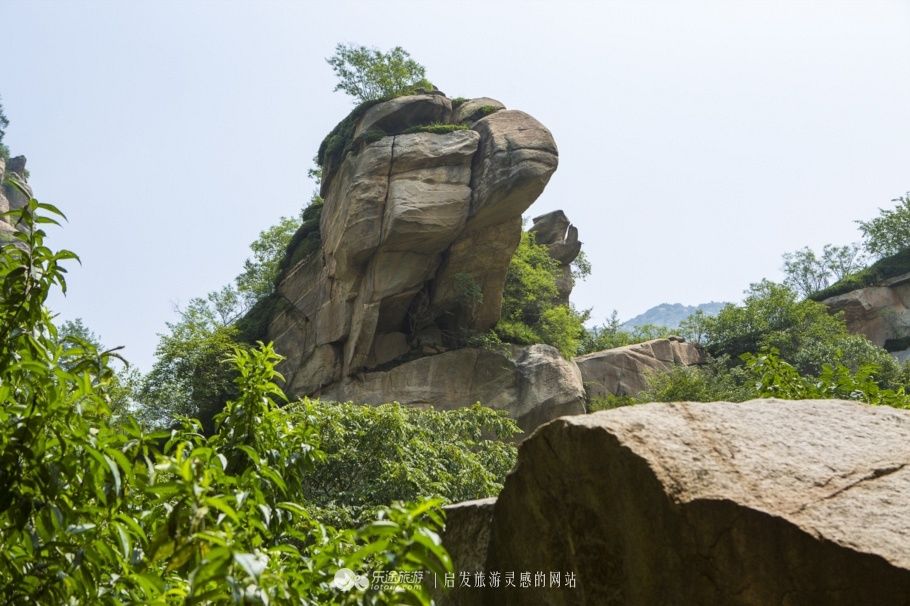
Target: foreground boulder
(533, 384)
(625, 371)
(758, 503)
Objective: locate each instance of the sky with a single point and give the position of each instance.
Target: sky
(699, 141)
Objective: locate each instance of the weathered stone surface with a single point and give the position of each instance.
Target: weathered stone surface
(758, 503)
(11, 197)
(473, 110)
(15, 170)
(514, 162)
(561, 238)
(466, 537)
(402, 113)
(533, 384)
(626, 370)
(410, 223)
(881, 313)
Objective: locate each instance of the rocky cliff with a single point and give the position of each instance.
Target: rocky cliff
(407, 257)
(880, 311)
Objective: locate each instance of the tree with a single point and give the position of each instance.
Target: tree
(773, 316)
(808, 273)
(4, 122)
(889, 232)
(189, 377)
(257, 280)
(368, 74)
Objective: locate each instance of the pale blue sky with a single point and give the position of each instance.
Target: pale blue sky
(698, 140)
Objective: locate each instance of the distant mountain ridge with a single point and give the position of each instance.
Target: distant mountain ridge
(671, 314)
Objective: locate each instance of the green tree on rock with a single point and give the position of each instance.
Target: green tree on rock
(889, 232)
(367, 74)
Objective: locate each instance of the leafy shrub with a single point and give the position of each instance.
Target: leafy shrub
(376, 455)
(95, 514)
(773, 316)
(779, 379)
(530, 312)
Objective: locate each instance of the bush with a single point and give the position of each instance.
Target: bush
(530, 312)
(376, 455)
(773, 316)
(95, 514)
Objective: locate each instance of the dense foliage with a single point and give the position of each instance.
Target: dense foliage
(382, 454)
(368, 73)
(805, 334)
(763, 375)
(96, 514)
(531, 312)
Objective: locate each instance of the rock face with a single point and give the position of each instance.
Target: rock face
(414, 241)
(881, 313)
(626, 370)
(533, 384)
(466, 537)
(11, 196)
(763, 502)
(561, 238)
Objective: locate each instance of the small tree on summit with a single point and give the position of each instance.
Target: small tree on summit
(368, 73)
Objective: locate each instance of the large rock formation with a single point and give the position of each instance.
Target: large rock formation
(561, 238)
(625, 371)
(880, 312)
(410, 257)
(532, 384)
(763, 502)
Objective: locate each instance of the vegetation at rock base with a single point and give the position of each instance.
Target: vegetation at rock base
(367, 74)
(530, 310)
(762, 375)
(387, 453)
(103, 514)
